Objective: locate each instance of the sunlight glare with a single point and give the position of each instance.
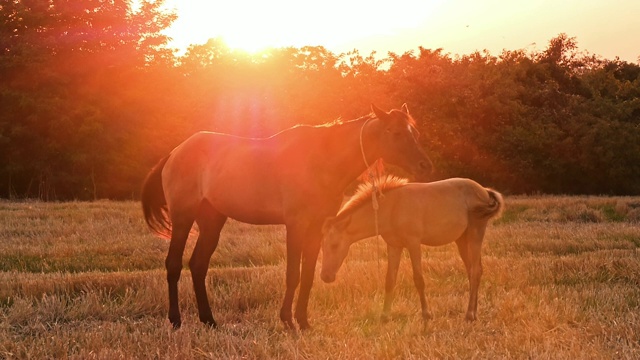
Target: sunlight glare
(251, 25)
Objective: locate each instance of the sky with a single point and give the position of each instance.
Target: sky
(606, 28)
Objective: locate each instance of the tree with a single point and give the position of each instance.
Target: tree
(64, 65)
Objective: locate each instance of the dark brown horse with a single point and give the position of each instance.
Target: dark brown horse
(296, 178)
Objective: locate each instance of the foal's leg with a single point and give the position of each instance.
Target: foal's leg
(210, 223)
(416, 263)
(173, 263)
(393, 263)
(470, 247)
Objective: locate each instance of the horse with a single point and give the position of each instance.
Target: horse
(296, 177)
(408, 215)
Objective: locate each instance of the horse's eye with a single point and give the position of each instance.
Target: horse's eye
(397, 136)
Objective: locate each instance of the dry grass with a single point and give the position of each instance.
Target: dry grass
(86, 281)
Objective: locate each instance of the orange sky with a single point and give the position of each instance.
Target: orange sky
(606, 28)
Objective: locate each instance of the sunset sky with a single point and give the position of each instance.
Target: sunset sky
(605, 28)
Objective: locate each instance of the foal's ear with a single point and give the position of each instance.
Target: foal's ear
(380, 114)
(328, 222)
(405, 109)
(333, 222)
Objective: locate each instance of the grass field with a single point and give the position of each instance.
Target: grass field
(86, 281)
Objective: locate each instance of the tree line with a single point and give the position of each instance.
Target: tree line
(92, 96)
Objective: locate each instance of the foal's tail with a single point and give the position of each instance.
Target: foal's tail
(154, 204)
(493, 209)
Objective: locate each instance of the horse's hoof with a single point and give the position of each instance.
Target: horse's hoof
(176, 324)
(210, 323)
(303, 324)
(302, 321)
(427, 316)
(289, 325)
(471, 317)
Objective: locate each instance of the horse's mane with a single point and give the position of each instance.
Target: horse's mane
(339, 121)
(365, 190)
(410, 120)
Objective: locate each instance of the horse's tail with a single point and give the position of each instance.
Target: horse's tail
(492, 209)
(154, 204)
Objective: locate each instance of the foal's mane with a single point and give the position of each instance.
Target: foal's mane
(365, 191)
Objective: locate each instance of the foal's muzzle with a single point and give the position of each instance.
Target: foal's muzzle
(328, 278)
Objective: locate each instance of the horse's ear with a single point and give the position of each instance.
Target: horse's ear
(380, 114)
(405, 109)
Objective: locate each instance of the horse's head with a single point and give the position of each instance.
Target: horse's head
(398, 142)
(335, 247)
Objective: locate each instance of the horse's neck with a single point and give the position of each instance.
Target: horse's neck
(345, 150)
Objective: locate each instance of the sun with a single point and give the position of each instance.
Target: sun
(252, 25)
(257, 38)
(246, 43)
(244, 25)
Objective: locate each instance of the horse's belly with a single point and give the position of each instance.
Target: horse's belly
(259, 210)
(442, 233)
(440, 239)
(257, 217)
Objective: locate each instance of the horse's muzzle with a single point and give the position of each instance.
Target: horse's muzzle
(423, 171)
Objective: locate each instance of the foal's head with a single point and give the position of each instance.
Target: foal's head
(398, 142)
(341, 230)
(335, 246)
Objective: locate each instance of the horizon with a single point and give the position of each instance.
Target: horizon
(459, 27)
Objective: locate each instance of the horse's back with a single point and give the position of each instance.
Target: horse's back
(236, 175)
(440, 210)
(478, 202)
(456, 188)
(434, 212)
(483, 203)
(454, 193)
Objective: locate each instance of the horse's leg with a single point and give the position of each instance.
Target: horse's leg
(210, 223)
(473, 251)
(310, 253)
(294, 254)
(415, 254)
(173, 263)
(393, 263)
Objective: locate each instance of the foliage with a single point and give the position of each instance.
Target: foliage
(75, 77)
(92, 97)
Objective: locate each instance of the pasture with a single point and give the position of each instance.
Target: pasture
(86, 280)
